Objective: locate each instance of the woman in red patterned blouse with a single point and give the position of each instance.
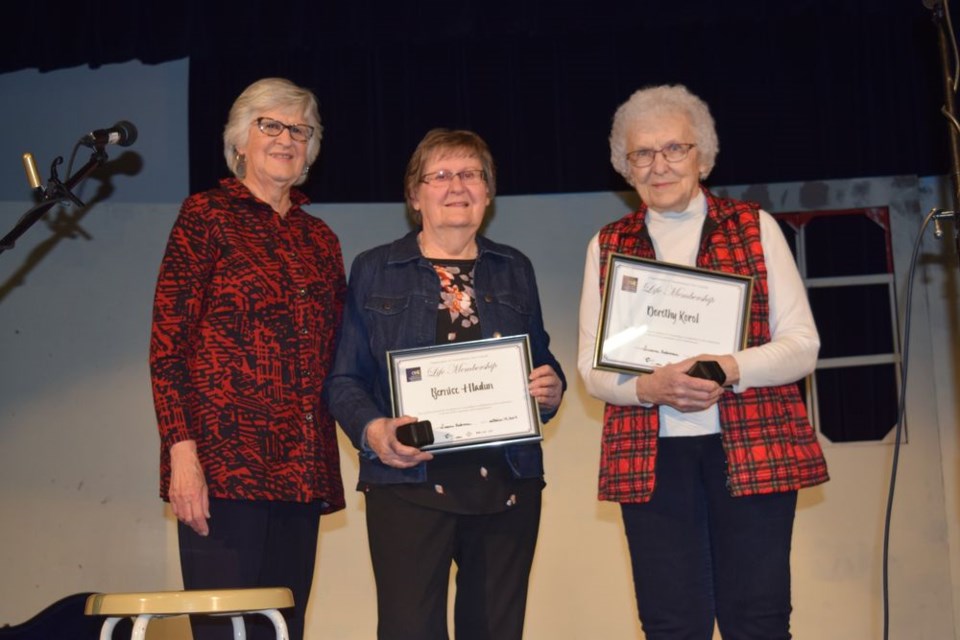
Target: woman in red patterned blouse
(248, 302)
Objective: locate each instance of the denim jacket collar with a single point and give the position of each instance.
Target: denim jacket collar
(406, 248)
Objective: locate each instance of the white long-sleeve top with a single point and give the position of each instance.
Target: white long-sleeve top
(790, 355)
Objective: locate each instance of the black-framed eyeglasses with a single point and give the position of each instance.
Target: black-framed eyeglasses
(273, 128)
(443, 177)
(674, 152)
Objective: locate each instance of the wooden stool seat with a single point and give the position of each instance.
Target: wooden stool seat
(232, 602)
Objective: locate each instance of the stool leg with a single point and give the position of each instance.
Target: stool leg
(239, 630)
(140, 627)
(106, 631)
(279, 624)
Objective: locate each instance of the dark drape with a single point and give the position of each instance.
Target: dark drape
(801, 90)
(53, 34)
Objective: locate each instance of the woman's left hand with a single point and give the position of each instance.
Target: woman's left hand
(545, 387)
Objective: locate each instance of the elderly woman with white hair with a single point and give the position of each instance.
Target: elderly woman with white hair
(706, 470)
(248, 303)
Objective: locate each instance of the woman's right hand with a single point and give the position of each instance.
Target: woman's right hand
(381, 435)
(188, 487)
(670, 385)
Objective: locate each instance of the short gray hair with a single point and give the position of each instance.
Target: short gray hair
(656, 101)
(265, 95)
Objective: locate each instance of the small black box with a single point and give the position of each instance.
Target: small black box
(415, 434)
(708, 369)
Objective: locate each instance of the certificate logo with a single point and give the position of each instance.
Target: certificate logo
(414, 375)
(629, 284)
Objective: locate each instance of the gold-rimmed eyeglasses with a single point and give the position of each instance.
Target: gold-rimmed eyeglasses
(442, 178)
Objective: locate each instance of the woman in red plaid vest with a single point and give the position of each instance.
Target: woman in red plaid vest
(706, 470)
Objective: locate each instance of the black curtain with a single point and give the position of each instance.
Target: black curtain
(801, 90)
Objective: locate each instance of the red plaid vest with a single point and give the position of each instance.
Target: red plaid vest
(769, 443)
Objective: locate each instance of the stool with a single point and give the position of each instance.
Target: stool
(158, 604)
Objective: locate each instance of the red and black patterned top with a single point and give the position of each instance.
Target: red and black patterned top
(245, 317)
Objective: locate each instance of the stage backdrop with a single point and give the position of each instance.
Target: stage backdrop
(78, 443)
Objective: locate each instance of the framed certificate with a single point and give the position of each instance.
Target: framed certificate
(656, 313)
(474, 393)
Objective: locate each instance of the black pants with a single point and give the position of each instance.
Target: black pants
(412, 549)
(252, 543)
(701, 556)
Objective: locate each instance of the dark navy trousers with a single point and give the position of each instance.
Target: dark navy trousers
(700, 556)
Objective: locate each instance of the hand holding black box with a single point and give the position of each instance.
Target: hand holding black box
(709, 370)
(416, 434)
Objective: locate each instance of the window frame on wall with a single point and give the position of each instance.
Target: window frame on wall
(796, 226)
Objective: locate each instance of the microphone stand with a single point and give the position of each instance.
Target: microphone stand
(945, 39)
(55, 192)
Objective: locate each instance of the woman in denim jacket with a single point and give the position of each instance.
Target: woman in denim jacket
(480, 507)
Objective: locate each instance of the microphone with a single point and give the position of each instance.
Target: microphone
(123, 133)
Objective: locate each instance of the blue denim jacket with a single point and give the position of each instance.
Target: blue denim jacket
(392, 304)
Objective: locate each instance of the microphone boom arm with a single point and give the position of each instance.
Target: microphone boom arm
(55, 192)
